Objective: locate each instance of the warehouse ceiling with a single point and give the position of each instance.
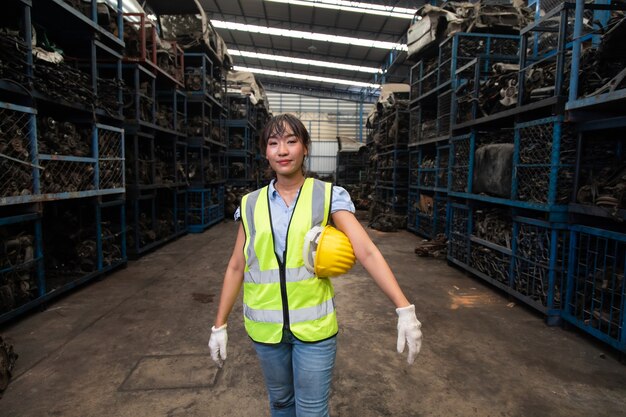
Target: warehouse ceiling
(244, 44)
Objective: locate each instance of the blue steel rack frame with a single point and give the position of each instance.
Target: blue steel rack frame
(543, 166)
(532, 267)
(105, 166)
(30, 226)
(206, 208)
(155, 217)
(540, 50)
(108, 230)
(596, 294)
(601, 10)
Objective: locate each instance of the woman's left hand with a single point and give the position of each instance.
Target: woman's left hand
(409, 332)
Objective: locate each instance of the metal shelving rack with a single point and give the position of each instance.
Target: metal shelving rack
(206, 143)
(66, 149)
(565, 251)
(157, 149)
(391, 184)
(240, 127)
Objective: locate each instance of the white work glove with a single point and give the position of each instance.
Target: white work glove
(217, 344)
(409, 332)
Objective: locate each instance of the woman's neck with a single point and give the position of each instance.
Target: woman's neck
(288, 188)
(289, 184)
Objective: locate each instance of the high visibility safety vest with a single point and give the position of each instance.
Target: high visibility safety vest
(284, 295)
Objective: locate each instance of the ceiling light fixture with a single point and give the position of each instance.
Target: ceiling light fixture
(308, 35)
(306, 77)
(353, 6)
(300, 61)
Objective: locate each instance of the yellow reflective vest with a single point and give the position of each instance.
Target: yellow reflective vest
(284, 295)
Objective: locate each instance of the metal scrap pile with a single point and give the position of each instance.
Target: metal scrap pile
(196, 80)
(66, 176)
(108, 95)
(62, 82)
(387, 222)
(18, 281)
(498, 92)
(106, 15)
(533, 260)
(603, 69)
(144, 162)
(7, 363)
(493, 225)
(169, 170)
(69, 244)
(146, 234)
(433, 24)
(164, 115)
(111, 242)
(13, 51)
(602, 174)
(233, 199)
(144, 95)
(536, 146)
(62, 138)
(436, 247)
(16, 172)
(199, 126)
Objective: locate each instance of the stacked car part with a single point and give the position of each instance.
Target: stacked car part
(535, 185)
(62, 160)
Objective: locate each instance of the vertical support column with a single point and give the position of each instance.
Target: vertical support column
(576, 45)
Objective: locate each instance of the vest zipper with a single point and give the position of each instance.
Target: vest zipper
(281, 264)
(283, 290)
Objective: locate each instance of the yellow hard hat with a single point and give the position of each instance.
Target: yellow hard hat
(327, 252)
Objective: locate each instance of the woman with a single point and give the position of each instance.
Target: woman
(288, 312)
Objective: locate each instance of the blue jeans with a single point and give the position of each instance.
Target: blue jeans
(298, 375)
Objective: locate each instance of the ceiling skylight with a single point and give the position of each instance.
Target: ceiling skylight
(353, 6)
(300, 61)
(307, 77)
(309, 35)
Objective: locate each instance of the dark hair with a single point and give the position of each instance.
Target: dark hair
(276, 127)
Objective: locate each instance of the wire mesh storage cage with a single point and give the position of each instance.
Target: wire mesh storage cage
(111, 172)
(18, 175)
(595, 293)
(490, 244)
(540, 251)
(526, 257)
(139, 95)
(423, 124)
(432, 215)
(206, 207)
(458, 233)
(544, 162)
(21, 262)
(461, 161)
(601, 170)
(598, 75)
(423, 77)
(485, 86)
(550, 54)
(461, 48)
(154, 217)
(198, 75)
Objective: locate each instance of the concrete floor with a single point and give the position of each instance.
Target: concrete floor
(134, 344)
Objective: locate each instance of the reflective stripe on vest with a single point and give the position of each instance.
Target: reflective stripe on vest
(310, 300)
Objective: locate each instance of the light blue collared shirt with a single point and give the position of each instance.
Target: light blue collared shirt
(281, 214)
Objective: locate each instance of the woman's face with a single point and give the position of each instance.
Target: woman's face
(286, 153)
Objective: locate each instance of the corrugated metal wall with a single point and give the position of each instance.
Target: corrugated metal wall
(325, 119)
